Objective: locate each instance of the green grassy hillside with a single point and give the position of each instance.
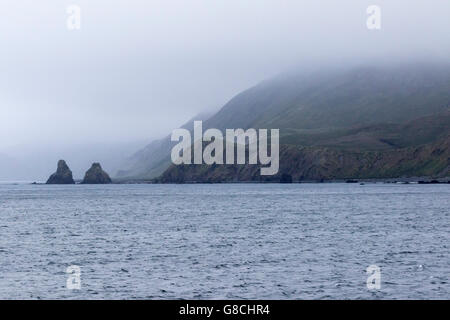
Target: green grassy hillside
(336, 113)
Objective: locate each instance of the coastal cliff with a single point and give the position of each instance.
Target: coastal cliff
(316, 164)
(365, 122)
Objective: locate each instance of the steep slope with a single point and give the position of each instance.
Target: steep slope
(386, 136)
(359, 110)
(153, 159)
(340, 99)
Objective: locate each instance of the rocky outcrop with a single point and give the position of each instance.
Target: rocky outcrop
(317, 164)
(63, 175)
(96, 175)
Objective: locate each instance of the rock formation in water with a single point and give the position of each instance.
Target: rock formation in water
(96, 175)
(63, 175)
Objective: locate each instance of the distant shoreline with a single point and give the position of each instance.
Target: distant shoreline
(402, 180)
(415, 180)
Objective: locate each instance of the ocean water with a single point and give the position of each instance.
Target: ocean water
(229, 241)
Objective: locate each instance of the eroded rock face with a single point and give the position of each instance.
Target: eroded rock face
(63, 175)
(96, 175)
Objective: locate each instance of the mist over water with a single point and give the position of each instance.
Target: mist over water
(350, 102)
(256, 241)
(136, 70)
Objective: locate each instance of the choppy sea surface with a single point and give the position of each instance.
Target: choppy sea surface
(225, 241)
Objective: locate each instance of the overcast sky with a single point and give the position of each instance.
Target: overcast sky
(137, 69)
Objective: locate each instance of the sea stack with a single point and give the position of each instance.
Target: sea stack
(63, 175)
(96, 175)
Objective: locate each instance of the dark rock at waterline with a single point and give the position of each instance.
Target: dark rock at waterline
(430, 182)
(286, 178)
(63, 175)
(96, 175)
